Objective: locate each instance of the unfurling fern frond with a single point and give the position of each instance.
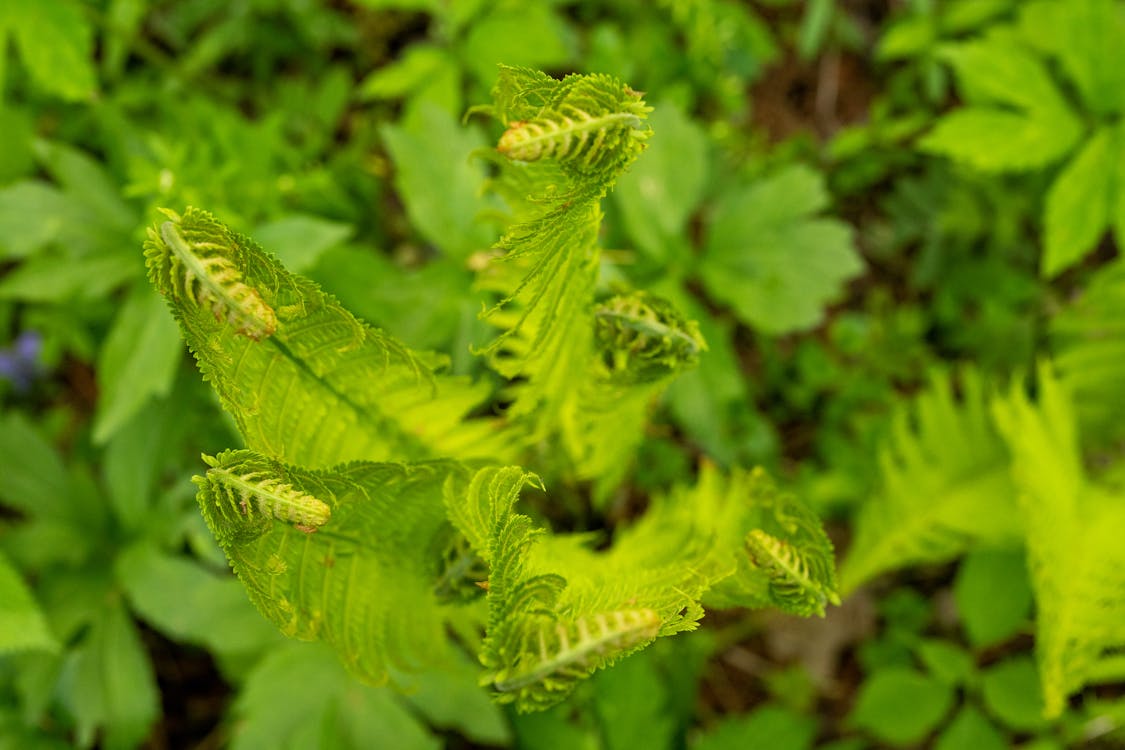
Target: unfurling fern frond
(804, 583)
(555, 654)
(558, 610)
(196, 261)
(945, 485)
(1076, 558)
(262, 489)
(643, 338)
(592, 125)
(773, 544)
(364, 583)
(641, 342)
(322, 387)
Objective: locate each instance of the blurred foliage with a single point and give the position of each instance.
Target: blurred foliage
(951, 166)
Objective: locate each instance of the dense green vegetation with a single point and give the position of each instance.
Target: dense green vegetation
(843, 266)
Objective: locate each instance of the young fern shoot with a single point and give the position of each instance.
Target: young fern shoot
(351, 434)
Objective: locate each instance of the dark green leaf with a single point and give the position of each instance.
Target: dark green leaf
(970, 729)
(771, 260)
(1011, 694)
(901, 706)
(21, 622)
(993, 595)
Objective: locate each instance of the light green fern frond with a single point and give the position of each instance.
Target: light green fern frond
(1089, 336)
(559, 610)
(772, 545)
(304, 379)
(347, 555)
(642, 338)
(641, 342)
(1076, 557)
(945, 484)
(591, 128)
(591, 125)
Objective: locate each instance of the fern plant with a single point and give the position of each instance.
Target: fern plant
(370, 509)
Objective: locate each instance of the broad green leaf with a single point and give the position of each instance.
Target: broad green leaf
(908, 37)
(901, 706)
(109, 685)
(1017, 119)
(970, 729)
(1078, 204)
(88, 183)
(658, 194)
(997, 69)
(767, 727)
(137, 361)
(993, 595)
(190, 604)
(997, 140)
(51, 278)
(771, 259)
(533, 35)
(437, 181)
(554, 730)
(34, 479)
(1085, 36)
(123, 21)
(22, 625)
(1011, 693)
(938, 495)
(54, 42)
(18, 127)
(304, 379)
(960, 16)
(299, 697)
(31, 215)
(313, 547)
(946, 661)
(1117, 205)
(298, 240)
(452, 698)
(137, 456)
(630, 700)
(423, 72)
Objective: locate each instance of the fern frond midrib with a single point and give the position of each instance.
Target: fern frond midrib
(589, 124)
(411, 443)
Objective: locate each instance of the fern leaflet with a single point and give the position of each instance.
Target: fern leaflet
(324, 387)
(385, 534)
(1076, 558)
(938, 493)
(200, 269)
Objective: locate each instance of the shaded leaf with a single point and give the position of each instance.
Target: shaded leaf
(771, 260)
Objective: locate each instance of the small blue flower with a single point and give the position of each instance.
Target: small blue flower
(19, 363)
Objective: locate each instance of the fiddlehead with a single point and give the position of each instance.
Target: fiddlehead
(245, 489)
(556, 654)
(642, 338)
(191, 258)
